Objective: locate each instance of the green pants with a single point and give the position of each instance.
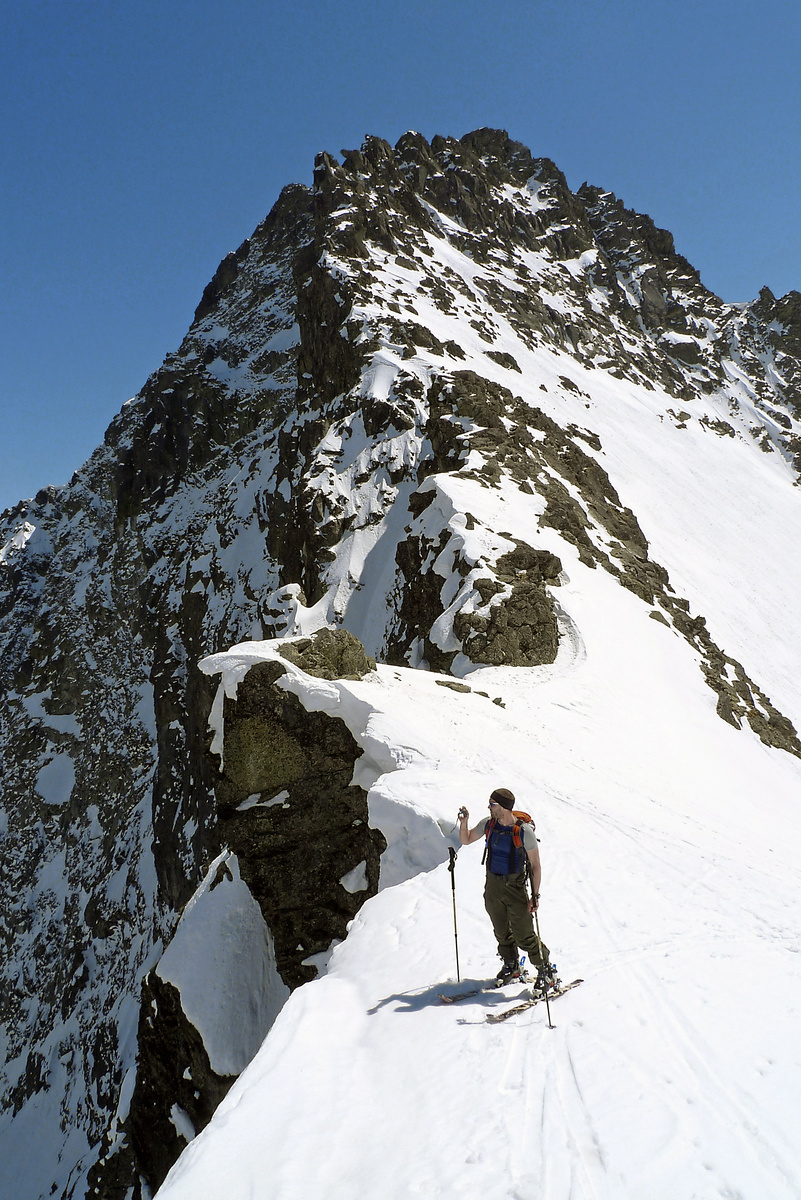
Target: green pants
(506, 901)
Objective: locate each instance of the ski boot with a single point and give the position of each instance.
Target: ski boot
(546, 980)
(510, 971)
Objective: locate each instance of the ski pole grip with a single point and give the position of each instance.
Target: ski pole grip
(452, 863)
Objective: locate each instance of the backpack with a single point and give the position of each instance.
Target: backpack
(521, 818)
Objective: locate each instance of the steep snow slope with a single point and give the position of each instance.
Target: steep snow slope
(670, 846)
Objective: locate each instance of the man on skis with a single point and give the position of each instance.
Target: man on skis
(511, 852)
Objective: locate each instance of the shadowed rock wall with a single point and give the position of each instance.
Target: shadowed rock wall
(288, 809)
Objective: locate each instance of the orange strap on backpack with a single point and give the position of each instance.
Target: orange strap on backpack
(521, 818)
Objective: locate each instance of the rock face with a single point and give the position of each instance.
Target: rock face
(172, 1063)
(427, 318)
(288, 809)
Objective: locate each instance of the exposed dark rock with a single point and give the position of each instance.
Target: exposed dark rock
(294, 852)
(739, 698)
(420, 336)
(519, 632)
(420, 602)
(522, 629)
(330, 654)
(524, 564)
(224, 276)
(173, 1069)
(504, 360)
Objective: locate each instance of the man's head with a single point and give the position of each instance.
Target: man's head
(504, 798)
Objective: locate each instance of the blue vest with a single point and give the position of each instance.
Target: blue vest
(503, 857)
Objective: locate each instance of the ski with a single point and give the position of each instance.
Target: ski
(494, 1018)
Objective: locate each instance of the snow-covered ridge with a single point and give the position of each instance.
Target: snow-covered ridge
(656, 1079)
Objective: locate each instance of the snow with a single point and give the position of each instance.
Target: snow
(255, 801)
(355, 880)
(17, 541)
(181, 1122)
(671, 846)
(222, 961)
(55, 780)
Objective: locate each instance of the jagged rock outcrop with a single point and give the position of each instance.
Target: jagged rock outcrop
(426, 319)
(288, 808)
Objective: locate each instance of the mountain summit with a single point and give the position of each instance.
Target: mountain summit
(443, 432)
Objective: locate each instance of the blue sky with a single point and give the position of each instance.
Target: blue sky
(140, 142)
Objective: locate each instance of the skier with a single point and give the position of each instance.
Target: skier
(508, 840)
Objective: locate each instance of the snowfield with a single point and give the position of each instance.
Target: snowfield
(671, 845)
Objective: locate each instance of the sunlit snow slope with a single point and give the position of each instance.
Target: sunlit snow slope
(670, 843)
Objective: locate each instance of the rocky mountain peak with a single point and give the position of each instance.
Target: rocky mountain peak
(401, 418)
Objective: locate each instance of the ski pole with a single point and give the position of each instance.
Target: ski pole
(539, 939)
(530, 881)
(451, 868)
